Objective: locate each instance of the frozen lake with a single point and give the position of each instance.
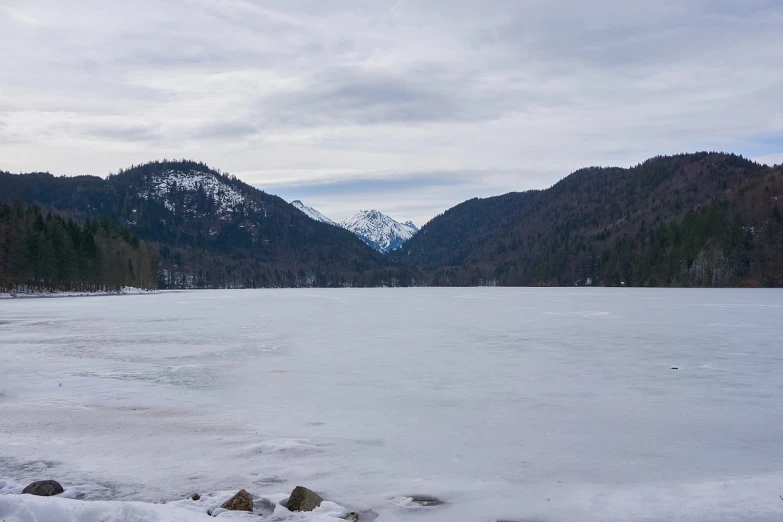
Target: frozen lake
(546, 405)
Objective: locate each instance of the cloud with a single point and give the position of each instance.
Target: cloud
(770, 159)
(226, 130)
(408, 105)
(404, 196)
(123, 132)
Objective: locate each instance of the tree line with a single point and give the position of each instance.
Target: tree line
(44, 252)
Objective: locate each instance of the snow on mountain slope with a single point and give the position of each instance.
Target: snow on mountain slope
(378, 230)
(313, 213)
(227, 198)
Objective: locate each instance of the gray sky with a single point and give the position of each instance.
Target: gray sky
(406, 106)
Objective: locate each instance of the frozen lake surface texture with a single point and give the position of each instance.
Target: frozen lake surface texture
(545, 405)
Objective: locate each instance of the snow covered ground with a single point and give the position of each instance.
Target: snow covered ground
(126, 290)
(507, 404)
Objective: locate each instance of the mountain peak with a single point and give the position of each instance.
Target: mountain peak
(378, 230)
(375, 228)
(312, 213)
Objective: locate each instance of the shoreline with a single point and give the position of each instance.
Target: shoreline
(128, 290)
(71, 504)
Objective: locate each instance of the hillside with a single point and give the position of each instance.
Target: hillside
(450, 238)
(690, 220)
(212, 230)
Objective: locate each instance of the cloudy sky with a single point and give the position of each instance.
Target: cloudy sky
(407, 106)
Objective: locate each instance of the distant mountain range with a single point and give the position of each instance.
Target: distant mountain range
(378, 230)
(692, 220)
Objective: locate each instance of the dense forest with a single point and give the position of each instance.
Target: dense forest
(212, 230)
(704, 219)
(450, 238)
(45, 253)
(734, 241)
(692, 220)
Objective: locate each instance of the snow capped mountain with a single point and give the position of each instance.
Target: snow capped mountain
(313, 213)
(378, 230)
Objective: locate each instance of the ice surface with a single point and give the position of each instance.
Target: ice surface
(507, 404)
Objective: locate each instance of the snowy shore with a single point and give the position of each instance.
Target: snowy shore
(15, 507)
(127, 290)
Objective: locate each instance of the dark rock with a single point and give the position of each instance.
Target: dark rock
(675, 368)
(44, 488)
(195, 496)
(352, 516)
(302, 499)
(242, 501)
(426, 501)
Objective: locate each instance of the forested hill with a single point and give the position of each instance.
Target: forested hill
(703, 219)
(211, 229)
(450, 238)
(45, 253)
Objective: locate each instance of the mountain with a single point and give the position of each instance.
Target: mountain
(211, 229)
(450, 238)
(704, 219)
(313, 213)
(378, 230)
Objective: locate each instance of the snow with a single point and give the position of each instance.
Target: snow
(126, 290)
(506, 404)
(379, 230)
(227, 198)
(313, 213)
(28, 508)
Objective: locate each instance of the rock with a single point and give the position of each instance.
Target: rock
(44, 488)
(675, 368)
(195, 496)
(302, 499)
(426, 501)
(242, 501)
(352, 516)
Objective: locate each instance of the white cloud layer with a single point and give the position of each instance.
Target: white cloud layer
(407, 106)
